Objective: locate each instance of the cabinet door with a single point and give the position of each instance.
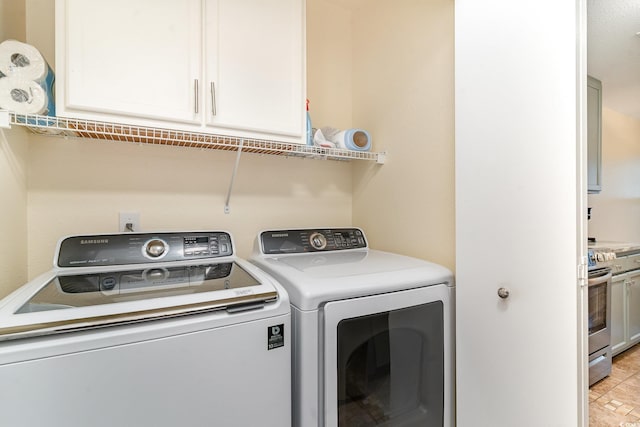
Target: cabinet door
(130, 57)
(618, 315)
(517, 362)
(633, 308)
(594, 135)
(254, 65)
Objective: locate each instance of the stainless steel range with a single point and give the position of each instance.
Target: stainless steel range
(600, 263)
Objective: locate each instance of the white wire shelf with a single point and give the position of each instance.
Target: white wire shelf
(78, 128)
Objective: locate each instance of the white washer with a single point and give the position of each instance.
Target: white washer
(373, 332)
(137, 329)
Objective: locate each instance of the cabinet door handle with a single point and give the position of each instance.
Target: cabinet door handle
(213, 98)
(195, 91)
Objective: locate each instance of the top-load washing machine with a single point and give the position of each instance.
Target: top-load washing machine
(373, 332)
(146, 329)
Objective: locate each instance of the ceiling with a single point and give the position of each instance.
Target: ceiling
(613, 52)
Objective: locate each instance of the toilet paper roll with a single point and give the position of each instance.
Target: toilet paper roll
(19, 59)
(352, 139)
(23, 96)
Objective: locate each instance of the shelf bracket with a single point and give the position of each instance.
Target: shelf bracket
(227, 209)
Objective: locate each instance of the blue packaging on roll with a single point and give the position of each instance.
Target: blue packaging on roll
(353, 139)
(47, 85)
(33, 97)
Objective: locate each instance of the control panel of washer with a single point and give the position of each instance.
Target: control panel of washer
(311, 240)
(141, 248)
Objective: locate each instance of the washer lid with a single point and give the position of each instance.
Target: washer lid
(93, 298)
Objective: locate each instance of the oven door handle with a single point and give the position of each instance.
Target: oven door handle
(597, 360)
(598, 279)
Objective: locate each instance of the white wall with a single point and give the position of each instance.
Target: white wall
(387, 66)
(403, 94)
(615, 213)
(14, 150)
(79, 186)
(329, 58)
(40, 25)
(12, 14)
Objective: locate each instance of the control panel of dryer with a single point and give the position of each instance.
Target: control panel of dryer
(311, 240)
(142, 248)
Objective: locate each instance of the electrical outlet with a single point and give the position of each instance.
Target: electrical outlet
(129, 221)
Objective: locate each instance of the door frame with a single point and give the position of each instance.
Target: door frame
(581, 215)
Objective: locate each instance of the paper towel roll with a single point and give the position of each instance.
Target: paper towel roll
(19, 59)
(352, 139)
(23, 96)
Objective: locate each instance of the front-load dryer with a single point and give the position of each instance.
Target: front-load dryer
(146, 329)
(373, 332)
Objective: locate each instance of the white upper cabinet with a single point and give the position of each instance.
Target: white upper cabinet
(254, 64)
(128, 57)
(231, 67)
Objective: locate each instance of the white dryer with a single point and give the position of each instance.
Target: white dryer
(373, 332)
(146, 329)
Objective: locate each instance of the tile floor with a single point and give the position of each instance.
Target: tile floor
(615, 401)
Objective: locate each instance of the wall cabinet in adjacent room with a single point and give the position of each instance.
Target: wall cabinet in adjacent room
(633, 308)
(625, 311)
(224, 66)
(594, 135)
(618, 313)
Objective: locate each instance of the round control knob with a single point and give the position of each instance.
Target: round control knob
(503, 293)
(318, 241)
(155, 248)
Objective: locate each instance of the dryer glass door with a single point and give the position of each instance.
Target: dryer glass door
(385, 360)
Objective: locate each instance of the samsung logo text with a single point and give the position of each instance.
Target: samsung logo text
(93, 241)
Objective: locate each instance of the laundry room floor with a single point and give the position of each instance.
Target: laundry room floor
(615, 401)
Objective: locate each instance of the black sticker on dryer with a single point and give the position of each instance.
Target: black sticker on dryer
(275, 336)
